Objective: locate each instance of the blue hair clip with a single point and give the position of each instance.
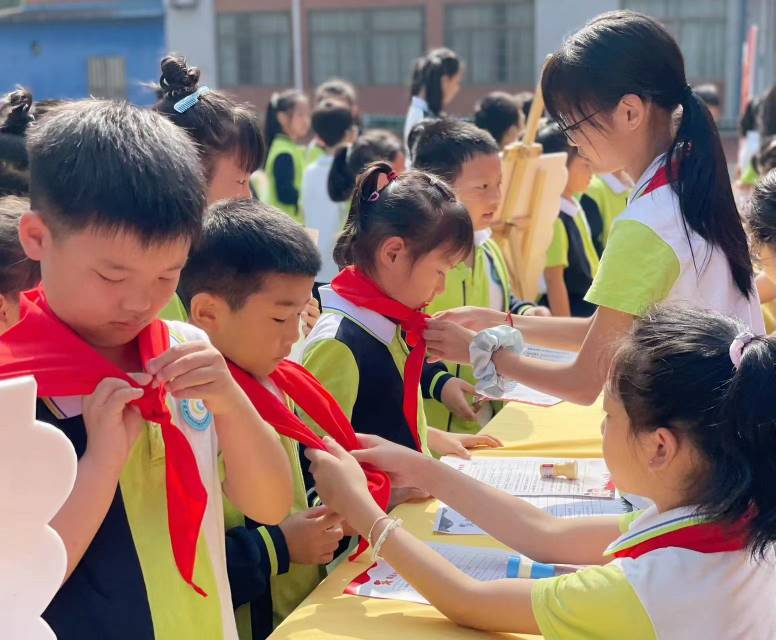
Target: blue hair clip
(190, 100)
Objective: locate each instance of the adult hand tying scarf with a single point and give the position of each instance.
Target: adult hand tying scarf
(313, 398)
(358, 288)
(63, 364)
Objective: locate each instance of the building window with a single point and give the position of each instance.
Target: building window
(367, 46)
(108, 77)
(496, 40)
(699, 27)
(254, 49)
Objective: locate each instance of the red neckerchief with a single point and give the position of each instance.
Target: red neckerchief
(63, 364)
(361, 290)
(311, 397)
(705, 537)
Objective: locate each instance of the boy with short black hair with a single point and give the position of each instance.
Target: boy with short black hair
(117, 196)
(246, 285)
(332, 122)
(468, 159)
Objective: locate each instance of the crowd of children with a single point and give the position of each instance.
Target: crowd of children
(157, 265)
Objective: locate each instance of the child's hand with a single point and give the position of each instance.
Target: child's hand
(542, 312)
(402, 464)
(400, 495)
(197, 371)
(458, 444)
(112, 424)
(313, 535)
(475, 318)
(457, 395)
(310, 315)
(339, 480)
(447, 340)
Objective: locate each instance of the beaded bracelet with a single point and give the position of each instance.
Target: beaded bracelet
(395, 524)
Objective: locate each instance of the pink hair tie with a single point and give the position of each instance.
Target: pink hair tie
(737, 347)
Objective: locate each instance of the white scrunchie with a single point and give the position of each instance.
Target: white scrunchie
(489, 382)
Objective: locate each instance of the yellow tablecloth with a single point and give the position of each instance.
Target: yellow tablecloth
(563, 430)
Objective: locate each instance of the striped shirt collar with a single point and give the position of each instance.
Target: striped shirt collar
(381, 327)
(482, 236)
(651, 524)
(649, 173)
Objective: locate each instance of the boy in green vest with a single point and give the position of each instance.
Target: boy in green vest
(467, 158)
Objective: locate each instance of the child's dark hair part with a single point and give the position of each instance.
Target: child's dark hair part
(17, 272)
(349, 162)
(244, 241)
(606, 60)
(338, 89)
(217, 124)
(497, 113)
(117, 168)
(281, 102)
(331, 121)
(427, 74)
(762, 210)
(675, 371)
(443, 146)
(415, 206)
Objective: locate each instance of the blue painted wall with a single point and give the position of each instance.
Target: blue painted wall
(51, 58)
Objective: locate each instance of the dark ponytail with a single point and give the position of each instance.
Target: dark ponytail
(427, 74)
(606, 60)
(415, 206)
(675, 371)
(349, 162)
(216, 123)
(280, 102)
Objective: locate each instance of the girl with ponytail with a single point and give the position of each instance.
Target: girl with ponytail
(436, 80)
(690, 424)
(286, 124)
(403, 234)
(618, 89)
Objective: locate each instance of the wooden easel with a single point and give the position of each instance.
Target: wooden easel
(533, 183)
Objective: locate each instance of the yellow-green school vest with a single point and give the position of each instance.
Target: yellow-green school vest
(283, 144)
(466, 286)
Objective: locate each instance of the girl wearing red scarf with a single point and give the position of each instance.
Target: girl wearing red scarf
(690, 424)
(403, 234)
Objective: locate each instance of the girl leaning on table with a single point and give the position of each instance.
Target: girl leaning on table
(691, 424)
(679, 240)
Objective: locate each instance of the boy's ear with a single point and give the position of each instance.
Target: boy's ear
(208, 311)
(8, 313)
(34, 235)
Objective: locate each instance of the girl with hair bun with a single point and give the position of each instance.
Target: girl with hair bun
(227, 133)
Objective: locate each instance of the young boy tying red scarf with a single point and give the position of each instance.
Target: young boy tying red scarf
(117, 197)
(246, 285)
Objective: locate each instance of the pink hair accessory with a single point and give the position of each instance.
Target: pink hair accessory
(737, 347)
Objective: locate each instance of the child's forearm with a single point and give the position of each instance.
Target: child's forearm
(258, 474)
(79, 519)
(557, 295)
(501, 606)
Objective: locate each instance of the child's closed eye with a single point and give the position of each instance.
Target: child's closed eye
(111, 280)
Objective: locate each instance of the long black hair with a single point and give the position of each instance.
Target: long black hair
(280, 102)
(215, 122)
(623, 52)
(415, 206)
(427, 74)
(349, 161)
(675, 371)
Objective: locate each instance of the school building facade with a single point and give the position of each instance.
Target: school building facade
(254, 47)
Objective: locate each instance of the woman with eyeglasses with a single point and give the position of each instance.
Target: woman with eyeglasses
(618, 88)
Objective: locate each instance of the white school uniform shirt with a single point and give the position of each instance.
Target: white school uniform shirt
(417, 111)
(670, 593)
(648, 259)
(322, 213)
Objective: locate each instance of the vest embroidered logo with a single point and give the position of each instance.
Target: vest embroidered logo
(196, 414)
